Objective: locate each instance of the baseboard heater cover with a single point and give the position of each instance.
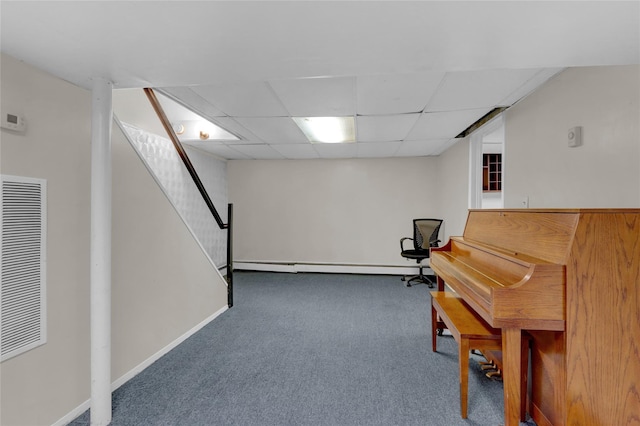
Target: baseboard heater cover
(328, 268)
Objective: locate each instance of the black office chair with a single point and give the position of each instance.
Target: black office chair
(425, 235)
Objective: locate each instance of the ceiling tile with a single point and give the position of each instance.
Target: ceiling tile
(377, 149)
(420, 148)
(250, 99)
(440, 125)
(532, 84)
(175, 111)
(397, 93)
(258, 152)
(297, 151)
(220, 150)
(336, 150)
(317, 97)
(274, 129)
(477, 89)
(230, 124)
(188, 97)
(385, 127)
(445, 145)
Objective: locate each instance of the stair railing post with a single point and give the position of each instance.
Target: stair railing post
(230, 255)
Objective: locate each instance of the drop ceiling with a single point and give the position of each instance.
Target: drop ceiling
(413, 74)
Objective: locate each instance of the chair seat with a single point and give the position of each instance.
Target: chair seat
(415, 254)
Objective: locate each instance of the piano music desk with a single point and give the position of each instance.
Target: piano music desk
(470, 332)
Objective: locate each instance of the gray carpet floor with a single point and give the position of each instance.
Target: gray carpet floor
(311, 349)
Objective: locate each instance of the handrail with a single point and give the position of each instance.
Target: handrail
(196, 180)
(183, 155)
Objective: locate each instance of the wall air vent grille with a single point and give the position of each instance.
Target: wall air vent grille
(23, 272)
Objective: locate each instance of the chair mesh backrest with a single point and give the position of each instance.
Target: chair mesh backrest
(425, 233)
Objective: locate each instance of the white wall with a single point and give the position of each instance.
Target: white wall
(163, 284)
(329, 211)
(453, 171)
(213, 174)
(605, 170)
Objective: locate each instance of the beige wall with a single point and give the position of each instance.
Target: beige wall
(605, 170)
(453, 171)
(42, 385)
(329, 211)
(163, 285)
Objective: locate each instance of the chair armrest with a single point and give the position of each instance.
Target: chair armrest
(402, 240)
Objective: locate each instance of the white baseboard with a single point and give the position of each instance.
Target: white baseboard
(329, 268)
(140, 367)
(71, 415)
(153, 358)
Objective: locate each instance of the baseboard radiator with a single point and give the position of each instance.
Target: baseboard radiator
(295, 267)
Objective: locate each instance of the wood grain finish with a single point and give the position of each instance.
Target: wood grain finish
(603, 321)
(548, 233)
(571, 277)
(469, 331)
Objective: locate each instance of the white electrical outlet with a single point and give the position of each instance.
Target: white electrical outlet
(524, 202)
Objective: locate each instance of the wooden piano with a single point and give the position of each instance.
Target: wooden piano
(570, 278)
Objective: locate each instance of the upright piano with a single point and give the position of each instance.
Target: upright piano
(570, 279)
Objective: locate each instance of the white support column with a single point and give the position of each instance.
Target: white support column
(101, 118)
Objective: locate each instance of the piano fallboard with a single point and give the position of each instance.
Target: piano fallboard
(507, 289)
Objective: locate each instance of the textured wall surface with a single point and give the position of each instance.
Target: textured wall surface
(161, 158)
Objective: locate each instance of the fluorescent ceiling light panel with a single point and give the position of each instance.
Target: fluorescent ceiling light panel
(327, 129)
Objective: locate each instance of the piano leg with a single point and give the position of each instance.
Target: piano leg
(524, 375)
(512, 375)
(434, 326)
(463, 356)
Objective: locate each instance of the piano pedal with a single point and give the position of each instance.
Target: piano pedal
(488, 367)
(494, 375)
